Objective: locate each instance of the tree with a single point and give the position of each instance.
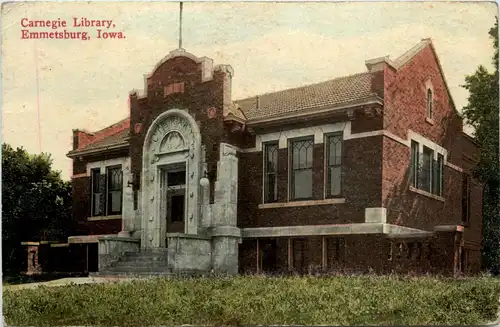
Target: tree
(36, 204)
(481, 113)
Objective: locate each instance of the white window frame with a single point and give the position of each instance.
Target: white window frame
(326, 166)
(290, 164)
(264, 170)
(435, 148)
(103, 165)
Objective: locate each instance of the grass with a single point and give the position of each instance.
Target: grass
(16, 279)
(259, 300)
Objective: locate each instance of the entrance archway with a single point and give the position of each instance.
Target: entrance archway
(172, 141)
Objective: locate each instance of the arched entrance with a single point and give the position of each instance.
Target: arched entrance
(171, 170)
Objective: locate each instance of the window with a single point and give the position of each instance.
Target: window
(301, 173)
(114, 190)
(414, 164)
(439, 175)
(429, 103)
(333, 165)
(427, 173)
(95, 198)
(426, 170)
(466, 198)
(270, 172)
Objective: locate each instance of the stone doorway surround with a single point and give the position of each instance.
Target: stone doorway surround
(173, 138)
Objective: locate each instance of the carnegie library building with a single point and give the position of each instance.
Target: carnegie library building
(366, 172)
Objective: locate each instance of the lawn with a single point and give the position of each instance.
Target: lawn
(259, 300)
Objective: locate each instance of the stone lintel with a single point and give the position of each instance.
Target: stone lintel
(326, 230)
(313, 230)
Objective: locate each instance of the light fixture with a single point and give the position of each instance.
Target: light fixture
(204, 182)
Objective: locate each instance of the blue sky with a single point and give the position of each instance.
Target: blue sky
(271, 46)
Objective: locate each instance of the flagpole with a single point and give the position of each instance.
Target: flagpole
(180, 25)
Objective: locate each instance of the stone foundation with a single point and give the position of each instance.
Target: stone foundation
(189, 252)
(111, 248)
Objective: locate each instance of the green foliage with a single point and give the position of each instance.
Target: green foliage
(482, 113)
(36, 204)
(259, 300)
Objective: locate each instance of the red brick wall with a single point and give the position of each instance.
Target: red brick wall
(84, 139)
(102, 227)
(473, 231)
(411, 209)
(361, 187)
(196, 99)
(80, 163)
(357, 254)
(406, 109)
(364, 123)
(81, 191)
(81, 206)
(405, 99)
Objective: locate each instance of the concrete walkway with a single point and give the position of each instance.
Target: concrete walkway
(68, 281)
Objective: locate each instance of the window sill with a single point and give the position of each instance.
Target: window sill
(427, 194)
(429, 121)
(301, 203)
(98, 218)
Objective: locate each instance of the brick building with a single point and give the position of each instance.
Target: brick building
(365, 172)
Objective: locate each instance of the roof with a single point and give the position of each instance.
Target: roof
(341, 91)
(109, 141)
(333, 92)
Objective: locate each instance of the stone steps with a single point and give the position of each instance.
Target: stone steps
(151, 262)
(136, 268)
(128, 258)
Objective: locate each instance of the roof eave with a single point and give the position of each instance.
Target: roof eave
(116, 146)
(316, 111)
(231, 117)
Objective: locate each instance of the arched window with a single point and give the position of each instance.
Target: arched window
(429, 103)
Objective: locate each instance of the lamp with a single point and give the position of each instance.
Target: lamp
(204, 182)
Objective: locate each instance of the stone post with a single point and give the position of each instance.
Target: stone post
(226, 236)
(206, 208)
(128, 215)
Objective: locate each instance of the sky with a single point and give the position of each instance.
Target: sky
(271, 46)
